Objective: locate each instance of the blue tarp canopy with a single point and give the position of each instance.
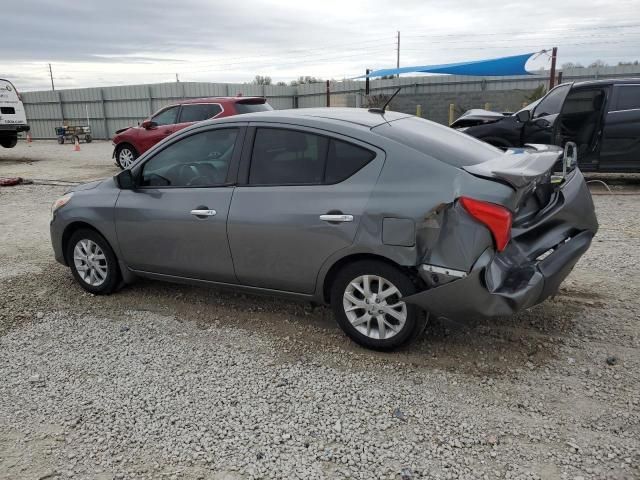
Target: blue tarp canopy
(494, 67)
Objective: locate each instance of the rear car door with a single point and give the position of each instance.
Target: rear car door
(300, 197)
(620, 149)
(164, 125)
(191, 113)
(175, 221)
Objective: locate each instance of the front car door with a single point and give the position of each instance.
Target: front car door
(300, 201)
(164, 123)
(175, 221)
(539, 129)
(620, 150)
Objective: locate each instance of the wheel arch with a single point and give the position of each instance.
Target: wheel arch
(72, 228)
(347, 260)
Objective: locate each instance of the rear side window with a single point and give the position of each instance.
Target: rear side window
(291, 157)
(166, 117)
(628, 97)
(439, 142)
(344, 159)
(198, 112)
(252, 107)
(287, 157)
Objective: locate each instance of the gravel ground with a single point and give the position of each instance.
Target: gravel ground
(166, 381)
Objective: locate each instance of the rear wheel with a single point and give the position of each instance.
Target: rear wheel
(9, 142)
(92, 262)
(367, 301)
(88, 138)
(125, 155)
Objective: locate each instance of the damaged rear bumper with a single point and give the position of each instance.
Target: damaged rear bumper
(540, 255)
(497, 287)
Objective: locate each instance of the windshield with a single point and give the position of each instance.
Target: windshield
(437, 141)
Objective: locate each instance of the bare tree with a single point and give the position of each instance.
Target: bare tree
(260, 80)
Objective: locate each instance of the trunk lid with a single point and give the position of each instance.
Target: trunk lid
(528, 171)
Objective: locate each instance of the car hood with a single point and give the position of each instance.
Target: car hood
(86, 186)
(483, 116)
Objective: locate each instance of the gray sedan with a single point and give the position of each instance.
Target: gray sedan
(384, 216)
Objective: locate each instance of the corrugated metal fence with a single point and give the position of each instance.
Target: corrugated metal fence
(108, 109)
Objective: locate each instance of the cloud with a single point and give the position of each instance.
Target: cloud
(120, 42)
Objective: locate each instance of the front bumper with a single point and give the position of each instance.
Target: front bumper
(538, 258)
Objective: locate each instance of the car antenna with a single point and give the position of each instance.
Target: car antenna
(382, 110)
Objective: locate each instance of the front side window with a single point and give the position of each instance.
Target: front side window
(628, 97)
(166, 117)
(201, 159)
(199, 112)
(552, 103)
(287, 157)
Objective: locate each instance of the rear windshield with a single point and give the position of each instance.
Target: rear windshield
(437, 141)
(252, 107)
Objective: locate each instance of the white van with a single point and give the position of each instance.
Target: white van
(12, 116)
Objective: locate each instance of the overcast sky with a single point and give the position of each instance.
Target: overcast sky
(119, 42)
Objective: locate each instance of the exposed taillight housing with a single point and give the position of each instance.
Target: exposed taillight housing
(495, 217)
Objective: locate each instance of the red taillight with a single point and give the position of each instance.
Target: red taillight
(496, 218)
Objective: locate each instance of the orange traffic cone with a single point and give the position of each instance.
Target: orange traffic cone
(29, 140)
(76, 148)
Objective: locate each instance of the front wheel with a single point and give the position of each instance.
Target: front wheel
(367, 301)
(92, 262)
(125, 156)
(9, 142)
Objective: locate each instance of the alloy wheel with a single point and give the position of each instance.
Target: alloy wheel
(374, 307)
(125, 157)
(90, 262)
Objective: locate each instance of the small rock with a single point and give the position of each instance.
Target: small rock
(39, 315)
(406, 474)
(124, 328)
(338, 427)
(612, 360)
(571, 360)
(399, 414)
(492, 440)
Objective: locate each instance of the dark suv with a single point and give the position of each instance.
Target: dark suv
(602, 117)
(131, 142)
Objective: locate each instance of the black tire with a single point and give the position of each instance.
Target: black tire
(9, 142)
(88, 138)
(110, 263)
(415, 318)
(61, 140)
(120, 149)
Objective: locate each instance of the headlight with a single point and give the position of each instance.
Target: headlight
(61, 202)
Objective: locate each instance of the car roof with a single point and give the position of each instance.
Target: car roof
(220, 100)
(606, 81)
(329, 115)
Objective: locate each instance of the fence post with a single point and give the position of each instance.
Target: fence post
(418, 110)
(104, 116)
(452, 111)
(328, 94)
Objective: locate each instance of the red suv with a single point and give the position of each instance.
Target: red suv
(132, 142)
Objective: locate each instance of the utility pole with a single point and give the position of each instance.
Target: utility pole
(51, 75)
(177, 78)
(552, 74)
(398, 53)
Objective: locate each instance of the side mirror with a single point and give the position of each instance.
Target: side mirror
(523, 116)
(148, 124)
(125, 180)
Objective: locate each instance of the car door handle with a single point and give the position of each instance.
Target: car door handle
(203, 213)
(336, 218)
